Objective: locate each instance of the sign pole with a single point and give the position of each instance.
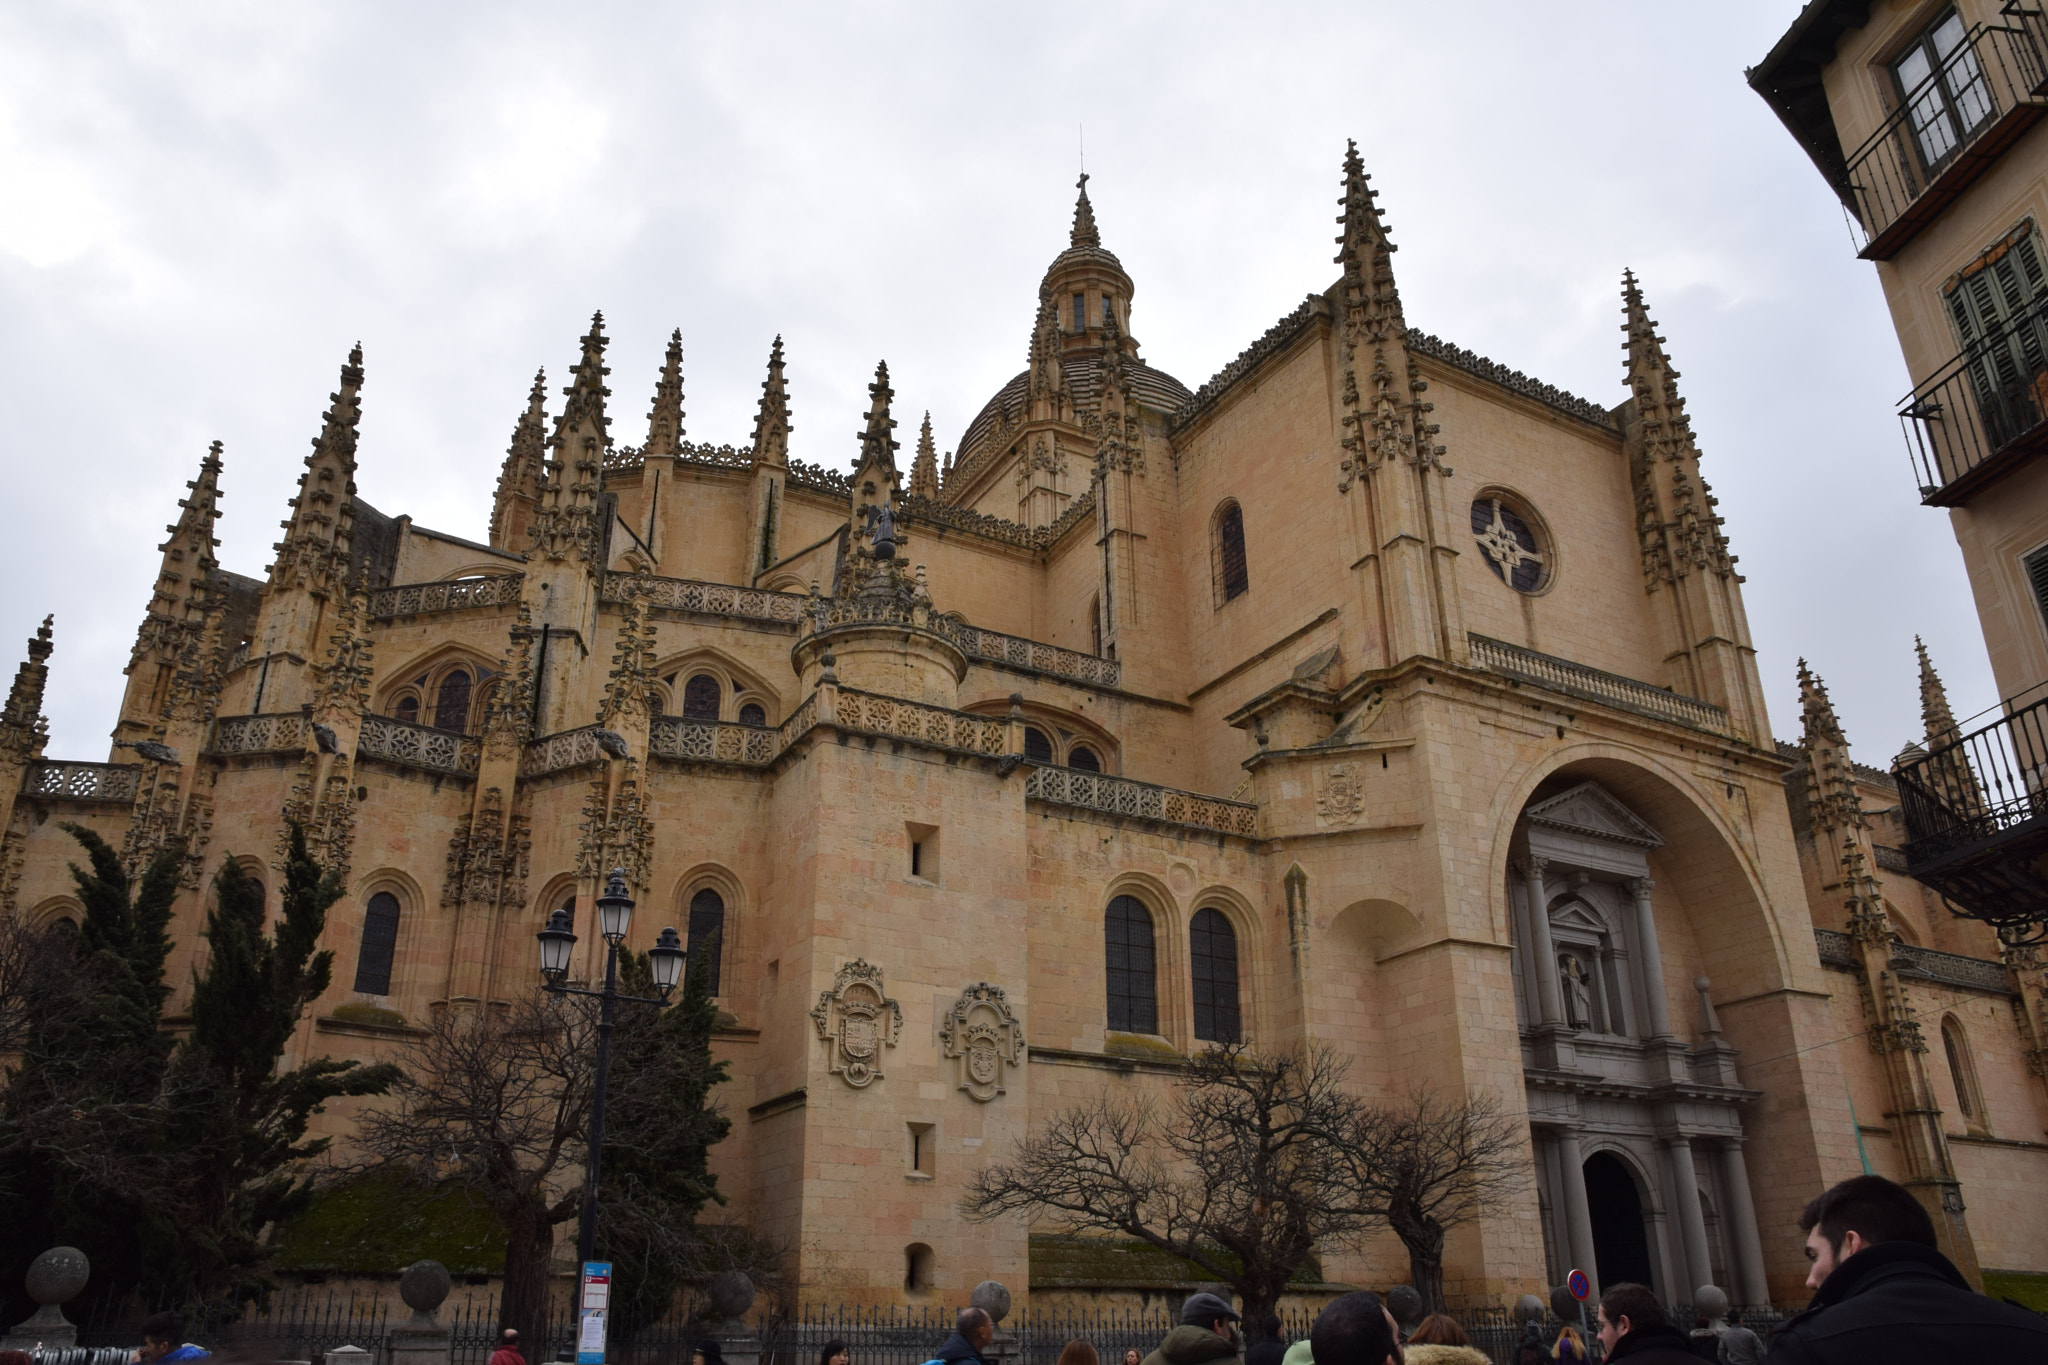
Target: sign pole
(593, 1306)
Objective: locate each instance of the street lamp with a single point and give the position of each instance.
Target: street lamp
(665, 962)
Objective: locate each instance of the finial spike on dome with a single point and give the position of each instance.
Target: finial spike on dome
(1084, 233)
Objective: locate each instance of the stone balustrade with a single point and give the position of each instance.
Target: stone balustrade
(59, 780)
(459, 594)
(992, 646)
(1596, 685)
(557, 752)
(1122, 796)
(933, 725)
(713, 741)
(280, 732)
(418, 746)
(712, 599)
(1838, 950)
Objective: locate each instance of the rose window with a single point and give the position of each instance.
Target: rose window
(1510, 544)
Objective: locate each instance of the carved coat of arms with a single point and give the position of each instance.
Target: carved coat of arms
(1341, 801)
(982, 1036)
(857, 1019)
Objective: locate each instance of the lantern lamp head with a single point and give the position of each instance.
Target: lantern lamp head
(665, 961)
(556, 941)
(615, 907)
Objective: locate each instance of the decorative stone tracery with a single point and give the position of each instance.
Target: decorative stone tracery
(857, 1019)
(982, 1036)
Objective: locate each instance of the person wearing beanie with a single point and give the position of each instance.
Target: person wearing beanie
(1207, 1331)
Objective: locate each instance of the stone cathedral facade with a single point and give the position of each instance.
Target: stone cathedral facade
(1370, 695)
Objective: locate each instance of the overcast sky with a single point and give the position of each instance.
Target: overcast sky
(203, 206)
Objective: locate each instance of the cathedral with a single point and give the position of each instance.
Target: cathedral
(1372, 695)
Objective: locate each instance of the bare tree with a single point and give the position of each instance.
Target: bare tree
(1429, 1164)
(1243, 1175)
(498, 1101)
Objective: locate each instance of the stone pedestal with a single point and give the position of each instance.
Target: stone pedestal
(993, 1298)
(423, 1339)
(347, 1355)
(54, 1278)
(731, 1295)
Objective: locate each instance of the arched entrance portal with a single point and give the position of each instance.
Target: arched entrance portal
(1620, 1245)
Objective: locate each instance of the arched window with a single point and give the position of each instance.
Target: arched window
(707, 930)
(1960, 1068)
(1232, 578)
(1083, 757)
(407, 710)
(1133, 982)
(1037, 747)
(380, 943)
(701, 697)
(752, 714)
(1212, 953)
(451, 703)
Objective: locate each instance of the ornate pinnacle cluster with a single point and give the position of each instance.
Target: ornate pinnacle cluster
(509, 723)
(314, 553)
(341, 681)
(1676, 520)
(178, 607)
(665, 418)
(771, 424)
(1385, 417)
(1084, 233)
(628, 690)
(565, 524)
(1934, 709)
(877, 447)
(1950, 772)
(1830, 777)
(525, 467)
(22, 727)
(586, 393)
(924, 470)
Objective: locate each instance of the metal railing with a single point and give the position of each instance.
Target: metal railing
(1991, 401)
(491, 590)
(61, 780)
(276, 732)
(419, 746)
(1122, 796)
(1976, 815)
(1946, 131)
(1593, 684)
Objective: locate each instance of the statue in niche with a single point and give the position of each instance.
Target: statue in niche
(1578, 995)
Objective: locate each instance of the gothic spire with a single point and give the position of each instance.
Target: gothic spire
(1934, 709)
(924, 470)
(314, 553)
(565, 524)
(189, 563)
(1084, 233)
(525, 467)
(1830, 774)
(1372, 303)
(22, 727)
(877, 447)
(1680, 529)
(586, 393)
(771, 424)
(665, 419)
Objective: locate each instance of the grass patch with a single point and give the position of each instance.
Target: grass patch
(2023, 1286)
(380, 1224)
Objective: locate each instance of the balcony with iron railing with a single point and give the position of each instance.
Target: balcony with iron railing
(1983, 414)
(1948, 130)
(1976, 814)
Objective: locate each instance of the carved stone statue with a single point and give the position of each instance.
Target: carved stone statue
(881, 526)
(1578, 999)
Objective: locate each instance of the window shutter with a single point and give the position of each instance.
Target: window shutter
(2037, 577)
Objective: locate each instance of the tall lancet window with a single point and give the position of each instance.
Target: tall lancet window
(451, 703)
(1131, 963)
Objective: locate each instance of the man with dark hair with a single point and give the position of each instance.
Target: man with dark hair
(973, 1331)
(1884, 1293)
(1273, 1348)
(1634, 1326)
(163, 1342)
(1207, 1331)
(1355, 1329)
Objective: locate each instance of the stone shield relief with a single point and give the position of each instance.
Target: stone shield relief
(982, 1037)
(857, 1019)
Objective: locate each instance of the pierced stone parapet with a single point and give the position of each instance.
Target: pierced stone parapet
(933, 725)
(712, 599)
(558, 752)
(713, 741)
(1593, 684)
(494, 590)
(281, 732)
(418, 746)
(62, 781)
(995, 647)
(1837, 950)
(1422, 343)
(1122, 796)
(820, 480)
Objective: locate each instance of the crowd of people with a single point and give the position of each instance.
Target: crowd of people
(1883, 1295)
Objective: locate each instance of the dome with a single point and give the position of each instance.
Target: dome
(1155, 390)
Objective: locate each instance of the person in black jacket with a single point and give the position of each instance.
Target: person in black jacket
(1272, 1348)
(1884, 1293)
(1634, 1327)
(973, 1331)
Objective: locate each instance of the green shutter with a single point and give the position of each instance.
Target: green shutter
(2036, 565)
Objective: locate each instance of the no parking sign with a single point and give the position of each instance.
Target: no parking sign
(1579, 1284)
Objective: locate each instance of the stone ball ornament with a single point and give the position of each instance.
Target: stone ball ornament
(1529, 1308)
(58, 1275)
(993, 1298)
(731, 1294)
(1405, 1304)
(424, 1286)
(1710, 1301)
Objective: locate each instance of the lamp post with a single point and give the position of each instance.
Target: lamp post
(664, 960)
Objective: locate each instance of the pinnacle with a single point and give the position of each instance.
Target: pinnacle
(665, 418)
(1085, 232)
(924, 470)
(1934, 708)
(877, 446)
(39, 648)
